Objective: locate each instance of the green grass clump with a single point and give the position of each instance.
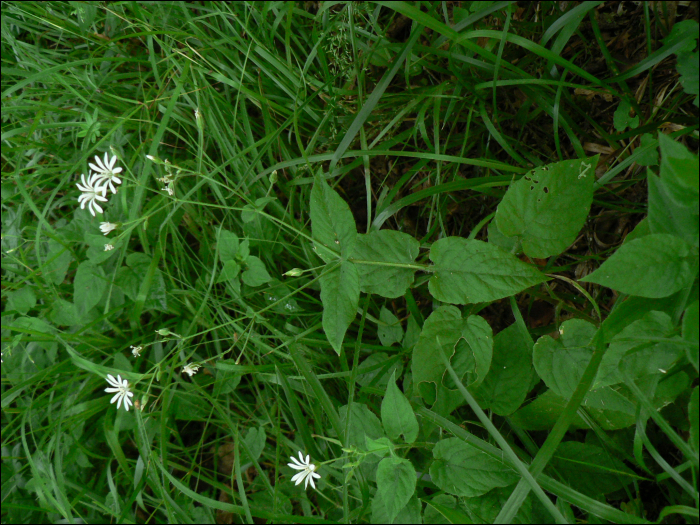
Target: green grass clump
(446, 250)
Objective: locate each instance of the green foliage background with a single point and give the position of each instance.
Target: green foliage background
(447, 249)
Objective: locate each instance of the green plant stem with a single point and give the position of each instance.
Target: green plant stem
(558, 431)
(505, 447)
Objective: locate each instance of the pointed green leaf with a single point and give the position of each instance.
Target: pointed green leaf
(390, 332)
(229, 271)
(396, 483)
(21, 300)
(667, 216)
(464, 470)
(340, 295)
(444, 509)
(644, 347)
(608, 408)
(332, 222)
(590, 469)
(57, 262)
(410, 513)
(654, 266)
(548, 206)
(379, 447)
(410, 338)
(228, 245)
(379, 376)
(397, 415)
(255, 439)
(256, 274)
(679, 171)
(471, 271)
(507, 244)
(561, 362)
(363, 424)
(243, 250)
(88, 286)
(510, 375)
(489, 505)
(390, 247)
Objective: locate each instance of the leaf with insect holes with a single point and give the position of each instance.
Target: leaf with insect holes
(467, 344)
(548, 206)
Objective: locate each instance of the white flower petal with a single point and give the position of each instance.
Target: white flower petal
(307, 470)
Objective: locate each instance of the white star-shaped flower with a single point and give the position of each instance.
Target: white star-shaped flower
(106, 173)
(121, 387)
(90, 193)
(106, 227)
(190, 369)
(308, 470)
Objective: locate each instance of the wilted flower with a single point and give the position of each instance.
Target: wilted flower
(308, 470)
(106, 227)
(190, 369)
(109, 247)
(90, 193)
(121, 387)
(136, 350)
(106, 173)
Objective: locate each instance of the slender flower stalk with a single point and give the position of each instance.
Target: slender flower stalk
(308, 470)
(91, 193)
(121, 387)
